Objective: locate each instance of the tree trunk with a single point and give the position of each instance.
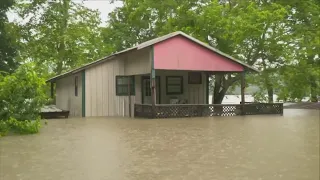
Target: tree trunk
(269, 86)
(221, 86)
(212, 98)
(220, 89)
(218, 97)
(62, 45)
(59, 67)
(313, 82)
(270, 94)
(313, 86)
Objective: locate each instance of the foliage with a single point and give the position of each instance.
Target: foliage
(300, 77)
(271, 35)
(246, 30)
(22, 94)
(19, 127)
(62, 36)
(4, 128)
(25, 126)
(8, 45)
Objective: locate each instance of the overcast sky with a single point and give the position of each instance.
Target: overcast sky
(103, 6)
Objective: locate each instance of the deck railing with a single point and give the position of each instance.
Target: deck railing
(205, 110)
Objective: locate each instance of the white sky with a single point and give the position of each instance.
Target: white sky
(103, 6)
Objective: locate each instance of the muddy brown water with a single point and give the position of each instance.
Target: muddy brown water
(220, 148)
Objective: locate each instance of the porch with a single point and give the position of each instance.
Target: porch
(186, 94)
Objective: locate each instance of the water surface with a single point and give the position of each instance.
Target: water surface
(222, 148)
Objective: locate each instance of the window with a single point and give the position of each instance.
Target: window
(194, 78)
(76, 86)
(122, 85)
(174, 85)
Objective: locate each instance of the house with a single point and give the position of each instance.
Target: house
(172, 69)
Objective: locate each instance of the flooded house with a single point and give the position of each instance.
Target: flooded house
(164, 77)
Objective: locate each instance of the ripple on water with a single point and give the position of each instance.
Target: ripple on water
(251, 147)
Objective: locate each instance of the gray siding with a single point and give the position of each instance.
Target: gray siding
(101, 98)
(65, 95)
(194, 93)
(138, 62)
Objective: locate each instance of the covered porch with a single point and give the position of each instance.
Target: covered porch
(173, 94)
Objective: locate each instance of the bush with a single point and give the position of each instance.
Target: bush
(19, 127)
(22, 94)
(4, 128)
(24, 127)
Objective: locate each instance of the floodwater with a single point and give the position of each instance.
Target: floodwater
(219, 148)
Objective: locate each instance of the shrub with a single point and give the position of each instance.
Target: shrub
(4, 128)
(22, 94)
(25, 126)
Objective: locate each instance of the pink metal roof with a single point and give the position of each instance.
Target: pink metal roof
(181, 53)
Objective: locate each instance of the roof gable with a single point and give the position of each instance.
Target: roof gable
(174, 34)
(180, 53)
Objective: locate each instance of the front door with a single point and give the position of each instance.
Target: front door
(146, 90)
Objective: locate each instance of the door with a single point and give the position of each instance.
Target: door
(146, 90)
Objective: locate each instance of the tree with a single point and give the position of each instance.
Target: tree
(60, 35)
(8, 46)
(138, 21)
(247, 30)
(301, 75)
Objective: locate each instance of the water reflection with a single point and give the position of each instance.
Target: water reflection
(250, 147)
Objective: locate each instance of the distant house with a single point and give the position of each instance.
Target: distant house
(170, 69)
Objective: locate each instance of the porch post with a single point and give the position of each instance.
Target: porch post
(153, 84)
(153, 91)
(207, 88)
(242, 93)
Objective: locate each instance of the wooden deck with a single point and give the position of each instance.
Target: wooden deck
(51, 111)
(205, 110)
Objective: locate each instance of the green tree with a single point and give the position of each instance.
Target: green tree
(301, 75)
(60, 35)
(247, 30)
(8, 46)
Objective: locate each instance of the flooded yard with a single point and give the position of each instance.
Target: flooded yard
(220, 148)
